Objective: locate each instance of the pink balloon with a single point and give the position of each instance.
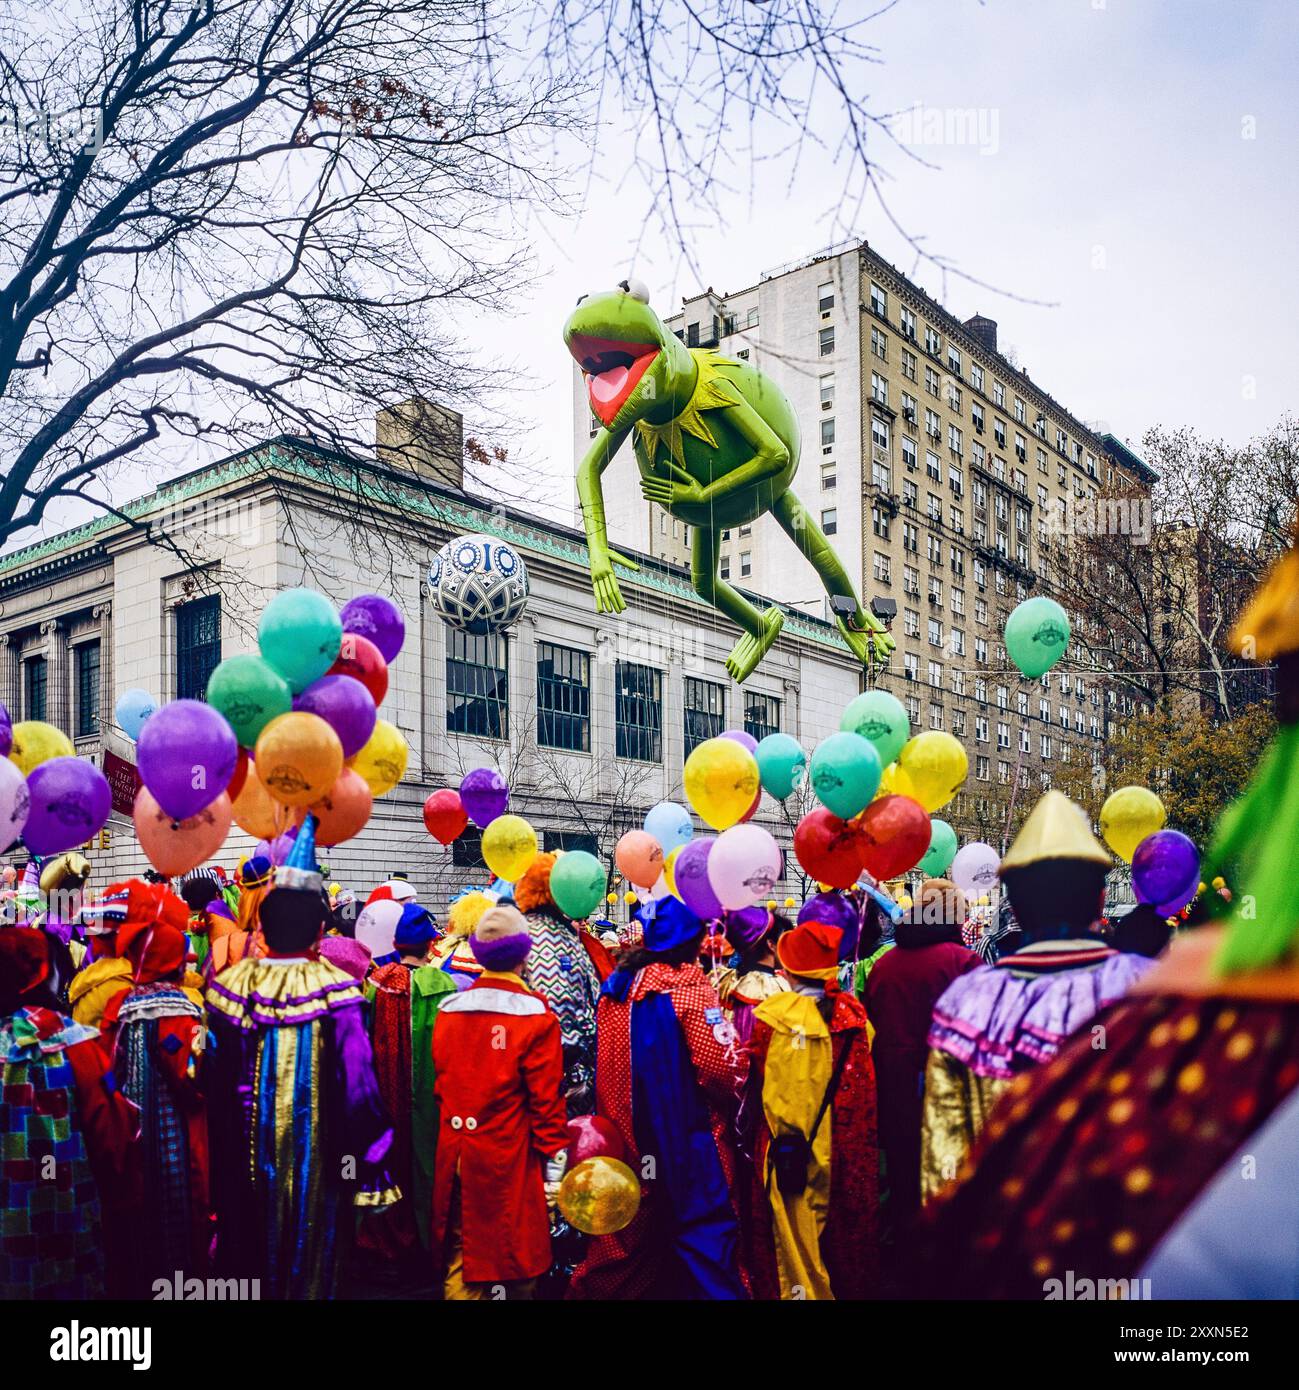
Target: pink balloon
(639, 858)
(744, 866)
(175, 847)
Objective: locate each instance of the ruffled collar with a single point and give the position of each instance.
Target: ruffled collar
(996, 1022)
(262, 994)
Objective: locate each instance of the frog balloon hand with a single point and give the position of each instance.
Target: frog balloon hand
(672, 492)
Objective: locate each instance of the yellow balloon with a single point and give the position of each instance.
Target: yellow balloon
(36, 742)
(599, 1195)
(298, 758)
(255, 812)
(611, 898)
(630, 898)
(509, 846)
(936, 765)
(895, 782)
(382, 762)
(669, 871)
(721, 780)
(789, 902)
(1128, 816)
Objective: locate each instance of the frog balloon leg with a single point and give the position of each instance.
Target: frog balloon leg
(716, 442)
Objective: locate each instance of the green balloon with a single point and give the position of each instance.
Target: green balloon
(880, 718)
(578, 883)
(300, 634)
(249, 693)
(845, 773)
(1037, 633)
(782, 765)
(942, 849)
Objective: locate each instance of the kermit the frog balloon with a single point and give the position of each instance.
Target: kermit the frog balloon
(716, 443)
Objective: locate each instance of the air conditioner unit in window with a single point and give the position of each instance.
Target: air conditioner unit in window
(909, 416)
(935, 601)
(827, 405)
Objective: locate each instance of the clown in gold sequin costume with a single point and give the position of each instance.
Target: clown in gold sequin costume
(999, 1020)
(299, 1135)
(1126, 1162)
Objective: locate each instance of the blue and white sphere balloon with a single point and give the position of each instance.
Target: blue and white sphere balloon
(479, 584)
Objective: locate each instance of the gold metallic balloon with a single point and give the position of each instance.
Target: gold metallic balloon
(599, 1196)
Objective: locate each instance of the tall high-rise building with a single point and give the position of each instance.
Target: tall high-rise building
(943, 474)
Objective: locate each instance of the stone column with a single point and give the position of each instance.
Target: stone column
(58, 688)
(9, 691)
(107, 685)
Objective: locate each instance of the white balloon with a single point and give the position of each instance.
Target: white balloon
(375, 924)
(974, 869)
(15, 803)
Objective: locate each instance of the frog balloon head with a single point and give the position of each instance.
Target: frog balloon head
(627, 356)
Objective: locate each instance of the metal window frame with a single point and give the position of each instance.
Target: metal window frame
(638, 712)
(564, 698)
(478, 684)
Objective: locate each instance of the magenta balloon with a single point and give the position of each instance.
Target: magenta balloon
(379, 619)
(484, 794)
(745, 740)
(6, 731)
(186, 755)
(690, 874)
(345, 705)
(71, 800)
(1166, 870)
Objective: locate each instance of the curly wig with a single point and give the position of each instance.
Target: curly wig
(532, 891)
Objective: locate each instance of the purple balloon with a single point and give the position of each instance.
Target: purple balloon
(746, 927)
(345, 705)
(1166, 870)
(6, 731)
(71, 800)
(186, 755)
(282, 844)
(379, 619)
(746, 741)
(835, 909)
(484, 794)
(690, 873)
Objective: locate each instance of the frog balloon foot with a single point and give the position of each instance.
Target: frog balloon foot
(750, 650)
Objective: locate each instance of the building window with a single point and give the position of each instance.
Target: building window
(198, 645)
(705, 711)
(87, 674)
(826, 339)
(478, 684)
(35, 688)
(825, 296)
(639, 713)
(746, 563)
(879, 301)
(830, 520)
(909, 365)
(907, 322)
(827, 391)
(761, 715)
(563, 698)
(467, 849)
(880, 345)
(724, 567)
(827, 433)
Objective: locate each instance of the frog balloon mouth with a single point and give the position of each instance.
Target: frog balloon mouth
(613, 370)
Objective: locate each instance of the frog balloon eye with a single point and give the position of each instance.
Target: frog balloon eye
(638, 289)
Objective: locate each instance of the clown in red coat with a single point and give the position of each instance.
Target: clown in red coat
(503, 1128)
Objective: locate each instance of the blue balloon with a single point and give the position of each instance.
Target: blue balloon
(670, 824)
(132, 709)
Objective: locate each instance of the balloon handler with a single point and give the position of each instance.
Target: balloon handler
(716, 442)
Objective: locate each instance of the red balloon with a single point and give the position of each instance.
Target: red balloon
(895, 835)
(444, 816)
(830, 849)
(236, 784)
(359, 658)
(592, 1136)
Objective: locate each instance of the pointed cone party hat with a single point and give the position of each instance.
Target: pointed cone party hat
(299, 870)
(1056, 828)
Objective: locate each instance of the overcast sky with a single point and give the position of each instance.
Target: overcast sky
(1135, 172)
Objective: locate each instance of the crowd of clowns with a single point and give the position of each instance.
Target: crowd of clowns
(213, 1079)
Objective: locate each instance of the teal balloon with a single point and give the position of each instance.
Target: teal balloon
(300, 634)
(845, 773)
(578, 883)
(881, 719)
(942, 849)
(782, 765)
(1037, 632)
(249, 693)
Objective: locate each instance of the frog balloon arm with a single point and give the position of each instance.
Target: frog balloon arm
(770, 455)
(590, 493)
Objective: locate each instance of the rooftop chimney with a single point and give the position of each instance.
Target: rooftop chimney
(984, 330)
(423, 438)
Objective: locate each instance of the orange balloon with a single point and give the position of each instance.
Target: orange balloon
(256, 813)
(298, 758)
(176, 847)
(343, 811)
(639, 858)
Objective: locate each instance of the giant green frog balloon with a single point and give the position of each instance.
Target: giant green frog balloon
(716, 442)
